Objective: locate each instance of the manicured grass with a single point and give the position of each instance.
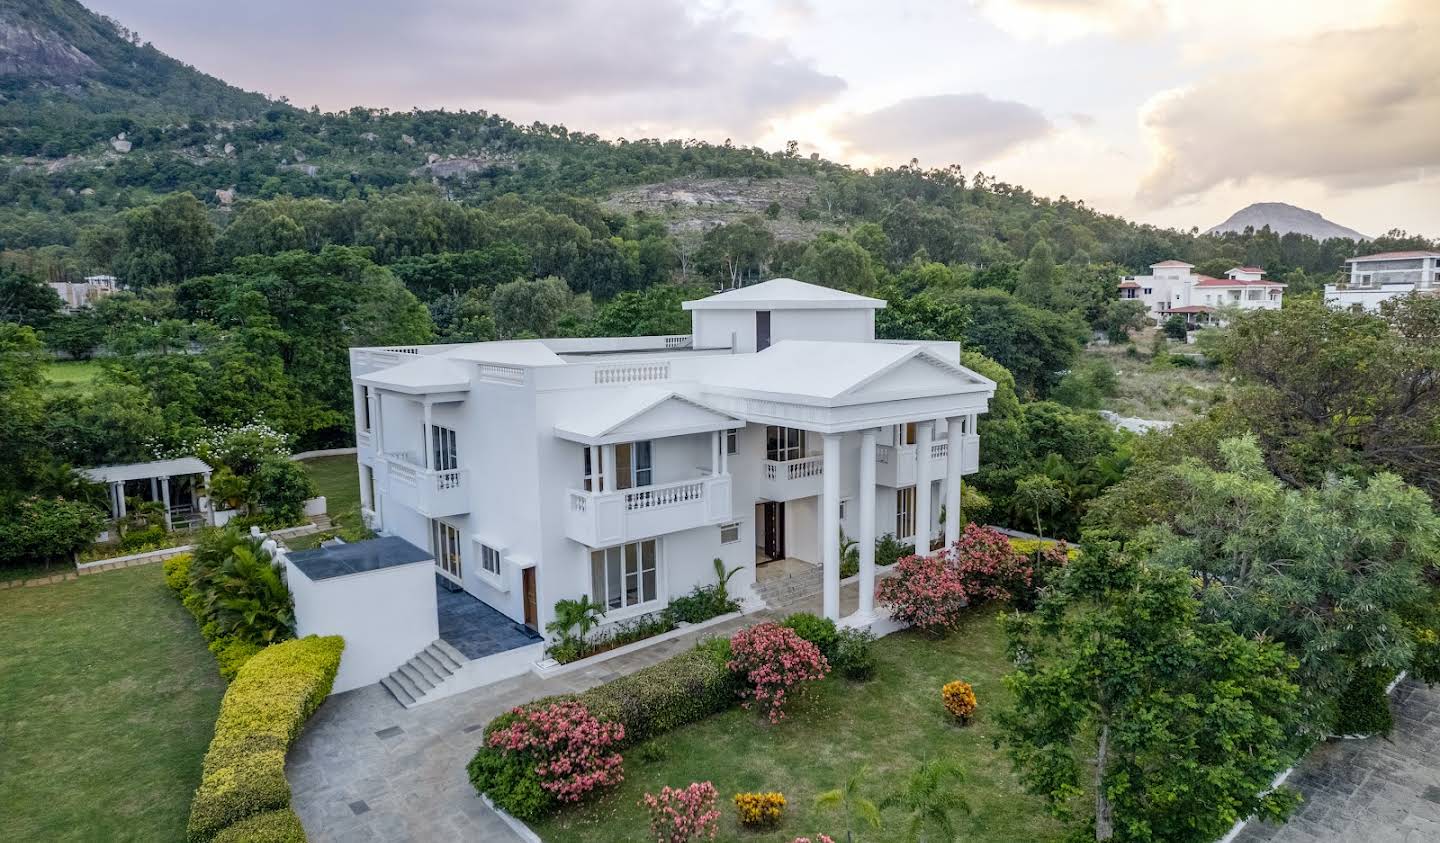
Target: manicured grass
(71, 375)
(108, 698)
(338, 480)
(889, 725)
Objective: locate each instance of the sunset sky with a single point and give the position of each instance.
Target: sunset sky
(1170, 112)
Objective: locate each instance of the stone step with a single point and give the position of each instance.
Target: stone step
(417, 676)
(437, 664)
(456, 657)
(398, 692)
(412, 681)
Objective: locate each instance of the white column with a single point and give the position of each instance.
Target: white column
(378, 420)
(427, 436)
(359, 403)
(165, 500)
(725, 452)
(716, 446)
(955, 433)
(154, 490)
(830, 524)
(207, 504)
(607, 458)
(924, 435)
(120, 497)
(867, 523)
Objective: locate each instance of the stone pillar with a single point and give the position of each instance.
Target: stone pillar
(830, 524)
(120, 498)
(426, 446)
(867, 523)
(924, 436)
(207, 503)
(165, 500)
(955, 432)
(717, 446)
(379, 423)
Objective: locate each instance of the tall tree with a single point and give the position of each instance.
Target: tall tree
(1036, 285)
(166, 242)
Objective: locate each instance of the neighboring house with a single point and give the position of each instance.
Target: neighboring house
(1387, 275)
(78, 295)
(540, 470)
(1172, 289)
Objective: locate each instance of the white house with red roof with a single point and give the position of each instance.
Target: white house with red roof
(1173, 289)
(1386, 275)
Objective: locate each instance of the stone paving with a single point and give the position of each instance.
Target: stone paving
(366, 769)
(475, 629)
(1372, 790)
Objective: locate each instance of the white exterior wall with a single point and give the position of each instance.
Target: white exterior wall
(1370, 285)
(385, 617)
(717, 329)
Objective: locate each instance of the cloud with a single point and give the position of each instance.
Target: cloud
(1344, 109)
(1064, 20)
(600, 66)
(1211, 25)
(962, 129)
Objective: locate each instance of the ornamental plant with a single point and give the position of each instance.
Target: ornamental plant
(819, 838)
(758, 810)
(989, 567)
(959, 700)
(571, 750)
(774, 661)
(679, 815)
(926, 592)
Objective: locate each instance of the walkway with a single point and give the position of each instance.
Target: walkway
(366, 769)
(1372, 790)
(475, 629)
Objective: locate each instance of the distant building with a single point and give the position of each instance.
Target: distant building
(1387, 275)
(1171, 289)
(78, 295)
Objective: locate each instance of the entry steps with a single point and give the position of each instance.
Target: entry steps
(413, 680)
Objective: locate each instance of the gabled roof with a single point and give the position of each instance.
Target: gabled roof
(430, 373)
(1171, 264)
(1207, 281)
(1191, 308)
(784, 294)
(1249, 269)
(506, 353)
(836, 373)
(604, 416)
(1384, 256)
(1129, 282)
(145, 470)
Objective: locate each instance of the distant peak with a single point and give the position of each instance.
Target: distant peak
(1284, 219)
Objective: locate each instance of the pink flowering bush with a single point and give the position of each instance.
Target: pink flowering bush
(571, 750)
(926, 592)
(988, 566)
(679, 815)
(822, 838)
(774, 661)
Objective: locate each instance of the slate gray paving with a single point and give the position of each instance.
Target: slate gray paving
(475, 629)
(1372, 790)
(366, 769)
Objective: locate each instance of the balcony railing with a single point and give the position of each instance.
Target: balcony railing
(785, 480)
(604, 519)
(895, 465)
(432, 493)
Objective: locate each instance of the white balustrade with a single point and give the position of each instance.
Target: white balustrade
(790, 479)
(602, 519)
(501, 374)
(632, 373)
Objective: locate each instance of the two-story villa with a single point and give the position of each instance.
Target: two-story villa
(1171, 289)
(619, 468)
(1384, 276)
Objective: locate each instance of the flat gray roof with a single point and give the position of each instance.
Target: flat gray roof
(323, 563)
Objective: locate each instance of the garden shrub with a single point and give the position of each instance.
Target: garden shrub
(926, 592)
(774, 661)
(571, 751)
(270, 827)
(1364, 707)
(959, 700)
(701, 604)
(260, 717)
(852, 654)
(679, 815)
(817, 630)
(509, 779)
(988, 566)
(717, 648)
(758, 810)
(665, 696)
(889, 550)
(231, 654)
(142, 540)
(177, 573)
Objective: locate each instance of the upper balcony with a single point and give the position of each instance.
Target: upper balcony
(605, 519)
(432, 493)
(896, 466)
(788, 480)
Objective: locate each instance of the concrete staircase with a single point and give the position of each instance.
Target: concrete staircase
(782, 591)
(430, 667)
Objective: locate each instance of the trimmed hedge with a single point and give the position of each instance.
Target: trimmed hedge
(261, 715)
(270, 827)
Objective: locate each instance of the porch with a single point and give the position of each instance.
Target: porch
(474, 628)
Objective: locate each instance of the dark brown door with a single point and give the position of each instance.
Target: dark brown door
(774, 528)
(527, 587)
(762, 330)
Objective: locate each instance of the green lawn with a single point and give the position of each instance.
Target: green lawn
(71, 375)
(889, 725)
(108, 698)
(338, 480)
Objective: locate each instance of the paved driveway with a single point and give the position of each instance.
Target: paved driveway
(1372, 790)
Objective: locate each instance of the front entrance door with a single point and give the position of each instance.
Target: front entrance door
(774, 529)
(527, 588)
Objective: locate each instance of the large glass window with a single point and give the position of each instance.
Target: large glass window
(633, 465)
(594, 469)
(905, 512)
(490, 560)
(784, 443)
(445, 544)
(442, 449)
(624, 576)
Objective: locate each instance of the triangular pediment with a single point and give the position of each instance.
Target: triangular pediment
(640, 413)
(672, 413)
(919, 374)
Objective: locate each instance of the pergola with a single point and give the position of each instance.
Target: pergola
(158, 473)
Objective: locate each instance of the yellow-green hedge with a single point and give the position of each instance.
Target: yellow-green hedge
(262, 714)
(281, 826)
(1029, 546)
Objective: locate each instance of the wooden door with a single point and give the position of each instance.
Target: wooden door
(527, 587)
(774, 529)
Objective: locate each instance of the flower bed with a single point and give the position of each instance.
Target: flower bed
(243, 776)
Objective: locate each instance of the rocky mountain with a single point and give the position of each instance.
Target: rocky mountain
(1283, 219)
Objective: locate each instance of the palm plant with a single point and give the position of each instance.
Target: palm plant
(253, 602)
(724, 578)
(929, 797)
(855, 806)
(575, 618)
(849, 555)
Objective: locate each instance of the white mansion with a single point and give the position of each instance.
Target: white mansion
(1171, 289)
(1387, 275)
(620, 468)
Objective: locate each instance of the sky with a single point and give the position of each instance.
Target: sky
(1172, 112)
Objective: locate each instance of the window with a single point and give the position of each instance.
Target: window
(730, 533)
(905, 512)
(442, 449)
(784, 443)
(594, 469)
(624, 576)
(905, 434)
(489, 560)
(445, 544)
(732, 441)
(1149, 290)
(365, 405)
(632, 464)
(1254, 295)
